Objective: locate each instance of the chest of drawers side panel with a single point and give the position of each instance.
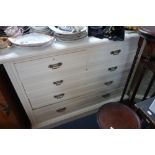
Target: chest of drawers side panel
(10, 68)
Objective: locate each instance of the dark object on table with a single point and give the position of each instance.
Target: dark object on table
(117, 116)
(2, 33)
(143, 110)
(115, 33)
(96, 31)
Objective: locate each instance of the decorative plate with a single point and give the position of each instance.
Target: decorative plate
(32, 39)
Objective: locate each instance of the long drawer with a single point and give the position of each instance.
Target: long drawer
(73, 80)
(68, 106)
(53, 66)
(45, 97)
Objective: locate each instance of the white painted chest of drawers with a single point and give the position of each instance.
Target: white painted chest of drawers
(64, 81)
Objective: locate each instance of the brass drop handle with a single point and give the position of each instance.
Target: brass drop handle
(111, 69)
(116, 52)
(106, 95)
(59, 96)
(57, 83)
(61, 109)
(108, 83)
(55, 66)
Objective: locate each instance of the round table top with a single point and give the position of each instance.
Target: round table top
(147, 32)
(117, 116)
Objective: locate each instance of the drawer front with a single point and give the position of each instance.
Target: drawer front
(99, 58)
(115, 51)
(109, 70)
(42, 98)
(73, 81)
(52, 66)
(68, 106)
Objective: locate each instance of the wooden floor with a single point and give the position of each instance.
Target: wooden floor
(12, 114)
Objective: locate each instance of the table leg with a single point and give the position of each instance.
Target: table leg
(138, 84)
(149, 86)
(153, 94)
(133, 68)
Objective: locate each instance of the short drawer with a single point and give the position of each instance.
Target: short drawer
(42, 98)
(53, 66)
(113, 51)
(99, 58)
(68, 106)
(110, 70)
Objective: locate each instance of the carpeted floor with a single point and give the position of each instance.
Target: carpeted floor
(88, 122)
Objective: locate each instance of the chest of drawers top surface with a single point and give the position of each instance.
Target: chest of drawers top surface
(57, 48)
